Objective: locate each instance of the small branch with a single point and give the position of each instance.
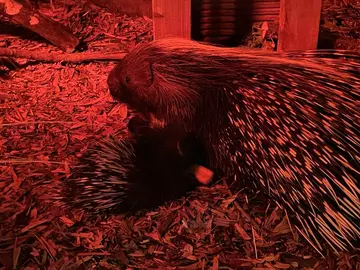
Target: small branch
(56, 33)
(22, 161)
(61, 57)
(37, 123)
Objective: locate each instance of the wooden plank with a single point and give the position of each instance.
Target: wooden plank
(233, 12)
(218, 32)
(128, 7)
(172, 18)
(232, 19)
(234, 1)
(299, 22)
(236, 6)
(209, 26)
(56, 33)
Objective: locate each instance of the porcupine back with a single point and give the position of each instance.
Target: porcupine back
(286, 123)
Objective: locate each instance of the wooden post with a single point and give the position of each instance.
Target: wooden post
(299, 23)
(172, 18)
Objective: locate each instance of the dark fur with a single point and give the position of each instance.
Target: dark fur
(286, 123)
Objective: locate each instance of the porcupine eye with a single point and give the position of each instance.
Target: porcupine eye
(136, 81)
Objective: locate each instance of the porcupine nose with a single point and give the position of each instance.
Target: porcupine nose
(114, 82)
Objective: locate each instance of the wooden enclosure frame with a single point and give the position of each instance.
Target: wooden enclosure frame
(299, 22)
(172, 18)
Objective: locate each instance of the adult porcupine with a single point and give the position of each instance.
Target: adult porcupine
(288, 123)
(138, 172)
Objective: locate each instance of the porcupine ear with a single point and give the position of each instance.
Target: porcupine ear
(146, 76)
(151, 72)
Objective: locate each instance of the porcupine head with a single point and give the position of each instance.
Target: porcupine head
(167, 79)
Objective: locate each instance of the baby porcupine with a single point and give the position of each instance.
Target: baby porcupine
(142, 171)
(286, 123)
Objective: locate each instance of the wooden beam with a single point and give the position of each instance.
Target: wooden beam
(172, 18)
(56, 33)
(299, 23)
(128, 7)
